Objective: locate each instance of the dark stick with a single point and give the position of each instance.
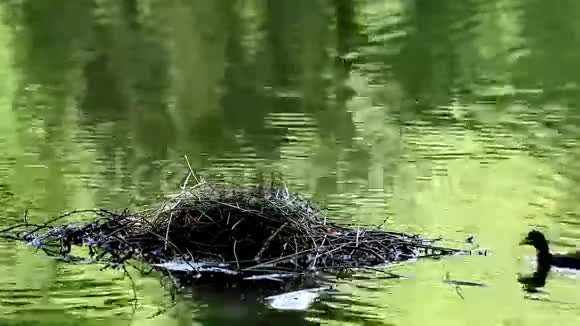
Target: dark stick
(267, 242)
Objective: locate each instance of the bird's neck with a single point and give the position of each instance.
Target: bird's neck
(544, 260)
(542, 247)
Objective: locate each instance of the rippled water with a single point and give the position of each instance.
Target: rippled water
(451, 118)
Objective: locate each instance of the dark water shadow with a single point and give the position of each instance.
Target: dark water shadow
(248, 304)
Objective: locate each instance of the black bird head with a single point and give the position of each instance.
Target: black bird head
(536, 239)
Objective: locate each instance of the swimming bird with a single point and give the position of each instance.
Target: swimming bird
(545, 258)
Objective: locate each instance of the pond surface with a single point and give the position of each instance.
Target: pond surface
(449, 118)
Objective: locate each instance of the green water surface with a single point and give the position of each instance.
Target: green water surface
(451, 118)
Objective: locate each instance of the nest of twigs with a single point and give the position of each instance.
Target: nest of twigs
(238, 234)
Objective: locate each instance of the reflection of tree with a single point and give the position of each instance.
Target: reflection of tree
(347, 39)
(154, 81)
(429, 64)
(126, 79)
(245, 103)
(291, 58)
(43, 48)
(553, 38)
(190, 85)
(550, 64)
(183, 77)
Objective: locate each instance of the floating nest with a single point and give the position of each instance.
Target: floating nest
(208, 233)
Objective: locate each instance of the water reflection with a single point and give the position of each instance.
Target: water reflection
(212, 305)
(448, 118)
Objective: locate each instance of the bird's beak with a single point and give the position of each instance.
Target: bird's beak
(525, 242)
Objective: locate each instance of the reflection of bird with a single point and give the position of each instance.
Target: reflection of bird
(545, 260)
